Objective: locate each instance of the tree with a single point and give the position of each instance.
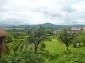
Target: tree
(66, 37)
(76, 43)
(9, 38)
(38, 35)
(42, 46)
(81, 38)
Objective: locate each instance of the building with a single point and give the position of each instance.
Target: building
(2, 43)
(2, 33)
(76, 29)
(83, 28)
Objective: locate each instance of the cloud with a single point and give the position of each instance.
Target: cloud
(11, 21)
(42, 11)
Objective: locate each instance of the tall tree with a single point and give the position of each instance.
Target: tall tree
(38, 35)
(66, 36)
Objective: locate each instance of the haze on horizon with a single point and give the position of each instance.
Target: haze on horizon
(60, 12)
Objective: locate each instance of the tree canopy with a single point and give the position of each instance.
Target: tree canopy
(66, 37)
(39, 35)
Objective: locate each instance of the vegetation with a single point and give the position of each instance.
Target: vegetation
(66, 37)
(37, 36)
(22, 45)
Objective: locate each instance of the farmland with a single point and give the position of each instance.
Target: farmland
(21, 49)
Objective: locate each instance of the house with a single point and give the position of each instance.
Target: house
(2, 33)
(73, 29)
(2, 43)
(83, 28)
(76, 29)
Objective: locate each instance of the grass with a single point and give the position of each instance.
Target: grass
(58, 51)
(55, 47)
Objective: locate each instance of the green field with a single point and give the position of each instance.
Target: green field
(61, 55)
(54, 47)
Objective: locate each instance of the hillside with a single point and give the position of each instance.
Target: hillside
(46, 25)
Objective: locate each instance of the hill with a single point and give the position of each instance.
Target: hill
(46, 25)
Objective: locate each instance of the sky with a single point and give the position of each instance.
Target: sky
(60, 12)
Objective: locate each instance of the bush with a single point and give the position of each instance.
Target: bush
(73, 57)
(24, 57)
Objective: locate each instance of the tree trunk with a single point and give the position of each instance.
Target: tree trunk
(67, 48)
(36, 46)
(67, 44)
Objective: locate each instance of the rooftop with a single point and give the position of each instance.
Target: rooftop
(2, 32)
(76, 28)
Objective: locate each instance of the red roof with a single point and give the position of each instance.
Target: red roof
(2, 33)
(83, 28)
(75, 29)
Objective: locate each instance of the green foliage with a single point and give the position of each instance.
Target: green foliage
(20, 51)
(60, 55)
(38, 35)
(23, 57)
(66, 37)
(9, 38)
(76, 43)
(81, 38)
(42, 46)
(73, 57)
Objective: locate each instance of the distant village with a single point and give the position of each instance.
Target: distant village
(73, 29)
(78, 29)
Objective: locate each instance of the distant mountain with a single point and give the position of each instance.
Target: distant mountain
(46, 25)
(49, 25)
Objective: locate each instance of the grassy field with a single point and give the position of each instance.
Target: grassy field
(54, 47)
(57, 47)
(61, 55)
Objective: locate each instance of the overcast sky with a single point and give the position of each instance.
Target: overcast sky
(42, 11)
